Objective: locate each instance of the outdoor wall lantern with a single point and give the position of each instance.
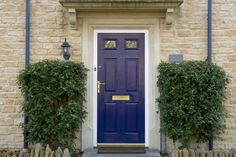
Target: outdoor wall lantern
(66, 50)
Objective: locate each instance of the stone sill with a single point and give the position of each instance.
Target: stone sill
(101, 5)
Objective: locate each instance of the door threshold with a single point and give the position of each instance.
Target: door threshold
(94, 153)
(121, 148)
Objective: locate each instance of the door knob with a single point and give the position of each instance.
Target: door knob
(99, 86)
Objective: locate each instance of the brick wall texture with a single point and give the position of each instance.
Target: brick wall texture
(49, 25)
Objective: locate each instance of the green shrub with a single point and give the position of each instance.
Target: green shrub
(191, 100)
(55, 92)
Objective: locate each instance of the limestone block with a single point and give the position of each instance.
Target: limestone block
(8, 109)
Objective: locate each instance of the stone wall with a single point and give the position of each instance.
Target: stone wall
(49, 26)
(188, 36)
(224, 54)
(11, 60)
(48, 30)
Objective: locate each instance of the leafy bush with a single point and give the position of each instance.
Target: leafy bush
(191, 100)
(55, 92)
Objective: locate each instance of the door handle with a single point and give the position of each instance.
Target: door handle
(99, 86)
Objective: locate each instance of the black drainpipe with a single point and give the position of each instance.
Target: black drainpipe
(209, 53)
(27, 60)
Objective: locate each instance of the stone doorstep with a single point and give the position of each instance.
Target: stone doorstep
(93, 153)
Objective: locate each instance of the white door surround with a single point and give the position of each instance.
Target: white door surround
(148, 26)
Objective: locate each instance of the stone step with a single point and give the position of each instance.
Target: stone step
(94, 153)
(120, 148)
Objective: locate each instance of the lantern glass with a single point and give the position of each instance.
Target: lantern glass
(66, 49)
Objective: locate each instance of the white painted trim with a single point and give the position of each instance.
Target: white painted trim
(146, 32)
(95, 76)
(147, 88)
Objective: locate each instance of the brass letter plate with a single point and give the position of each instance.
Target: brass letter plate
(120, 97)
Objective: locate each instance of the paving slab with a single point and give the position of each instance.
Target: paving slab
(93, 153)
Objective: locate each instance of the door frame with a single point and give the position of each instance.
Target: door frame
(146, 76)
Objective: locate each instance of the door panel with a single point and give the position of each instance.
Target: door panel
(131, 73)
(110, 74)
(121, 97)
(110, 117)
(131, 124)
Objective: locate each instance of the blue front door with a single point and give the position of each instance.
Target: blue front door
(121, 108)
